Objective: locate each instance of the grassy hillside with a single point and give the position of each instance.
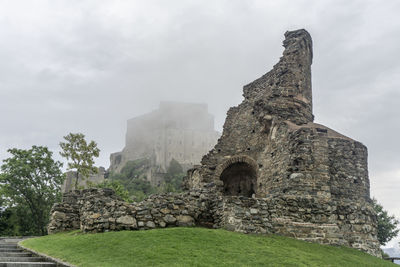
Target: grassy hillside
(194, 247)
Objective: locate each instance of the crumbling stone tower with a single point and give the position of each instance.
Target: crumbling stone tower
(270, 144)
(314, 179)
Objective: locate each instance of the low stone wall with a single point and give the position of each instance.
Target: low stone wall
(65, 216)
(99, 214)
(345, 223)
(246, 215)
(100, 210)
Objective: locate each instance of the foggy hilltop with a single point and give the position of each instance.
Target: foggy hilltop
(175, 131)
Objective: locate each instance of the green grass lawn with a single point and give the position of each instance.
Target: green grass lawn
(193, 247)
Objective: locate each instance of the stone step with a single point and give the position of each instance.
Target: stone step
(15, 254)
(11, 250)
(11, 240)
(21, 259)
(27, 264)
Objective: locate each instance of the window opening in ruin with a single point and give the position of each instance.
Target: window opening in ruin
(239, 180)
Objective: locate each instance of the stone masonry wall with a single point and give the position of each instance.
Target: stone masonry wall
(100, 210)
(307, 173)
(304, 219)
(65, 216)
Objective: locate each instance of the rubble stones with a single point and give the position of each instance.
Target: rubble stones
(128, 220)
(169, 219)
(185, 220)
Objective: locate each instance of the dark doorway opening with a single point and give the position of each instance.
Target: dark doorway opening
(239, 180)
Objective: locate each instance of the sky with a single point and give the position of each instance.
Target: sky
(88, 66)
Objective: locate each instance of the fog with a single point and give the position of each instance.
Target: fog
(89, 66)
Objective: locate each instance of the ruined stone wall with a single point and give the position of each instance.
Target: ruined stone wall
(100, 210)
(302, 218)
(65, 216)
(69, 182)
(272, 171)
(271, 144)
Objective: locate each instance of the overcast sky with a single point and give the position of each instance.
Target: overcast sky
(88, 66)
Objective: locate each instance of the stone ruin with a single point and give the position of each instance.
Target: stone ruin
(169, 132)
(272, 171)
(93, 179)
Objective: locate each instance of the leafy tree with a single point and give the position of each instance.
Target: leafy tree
(118, 188)
(387, 224)
(174, 168)
(173, 177)
(137, 187)
(135, 168)
(133, 178)
(17, 221)
(6, 222)
(31, 183)
(81, 155)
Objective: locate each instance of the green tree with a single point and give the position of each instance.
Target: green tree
(7, 222)
(387, 224)
(174, 167)
(116, 186)
(31, 183)
(17, 221)
(136, 168)
(81, 155)
(133, 176)
(173, 177)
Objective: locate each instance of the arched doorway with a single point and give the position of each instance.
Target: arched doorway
(239, 179)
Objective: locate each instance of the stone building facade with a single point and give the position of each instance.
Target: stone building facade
(272, 171)
(180, 131)
(94, 178)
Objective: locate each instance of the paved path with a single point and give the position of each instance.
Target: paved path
(12, 256)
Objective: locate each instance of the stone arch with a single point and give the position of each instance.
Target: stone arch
(239, 176)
